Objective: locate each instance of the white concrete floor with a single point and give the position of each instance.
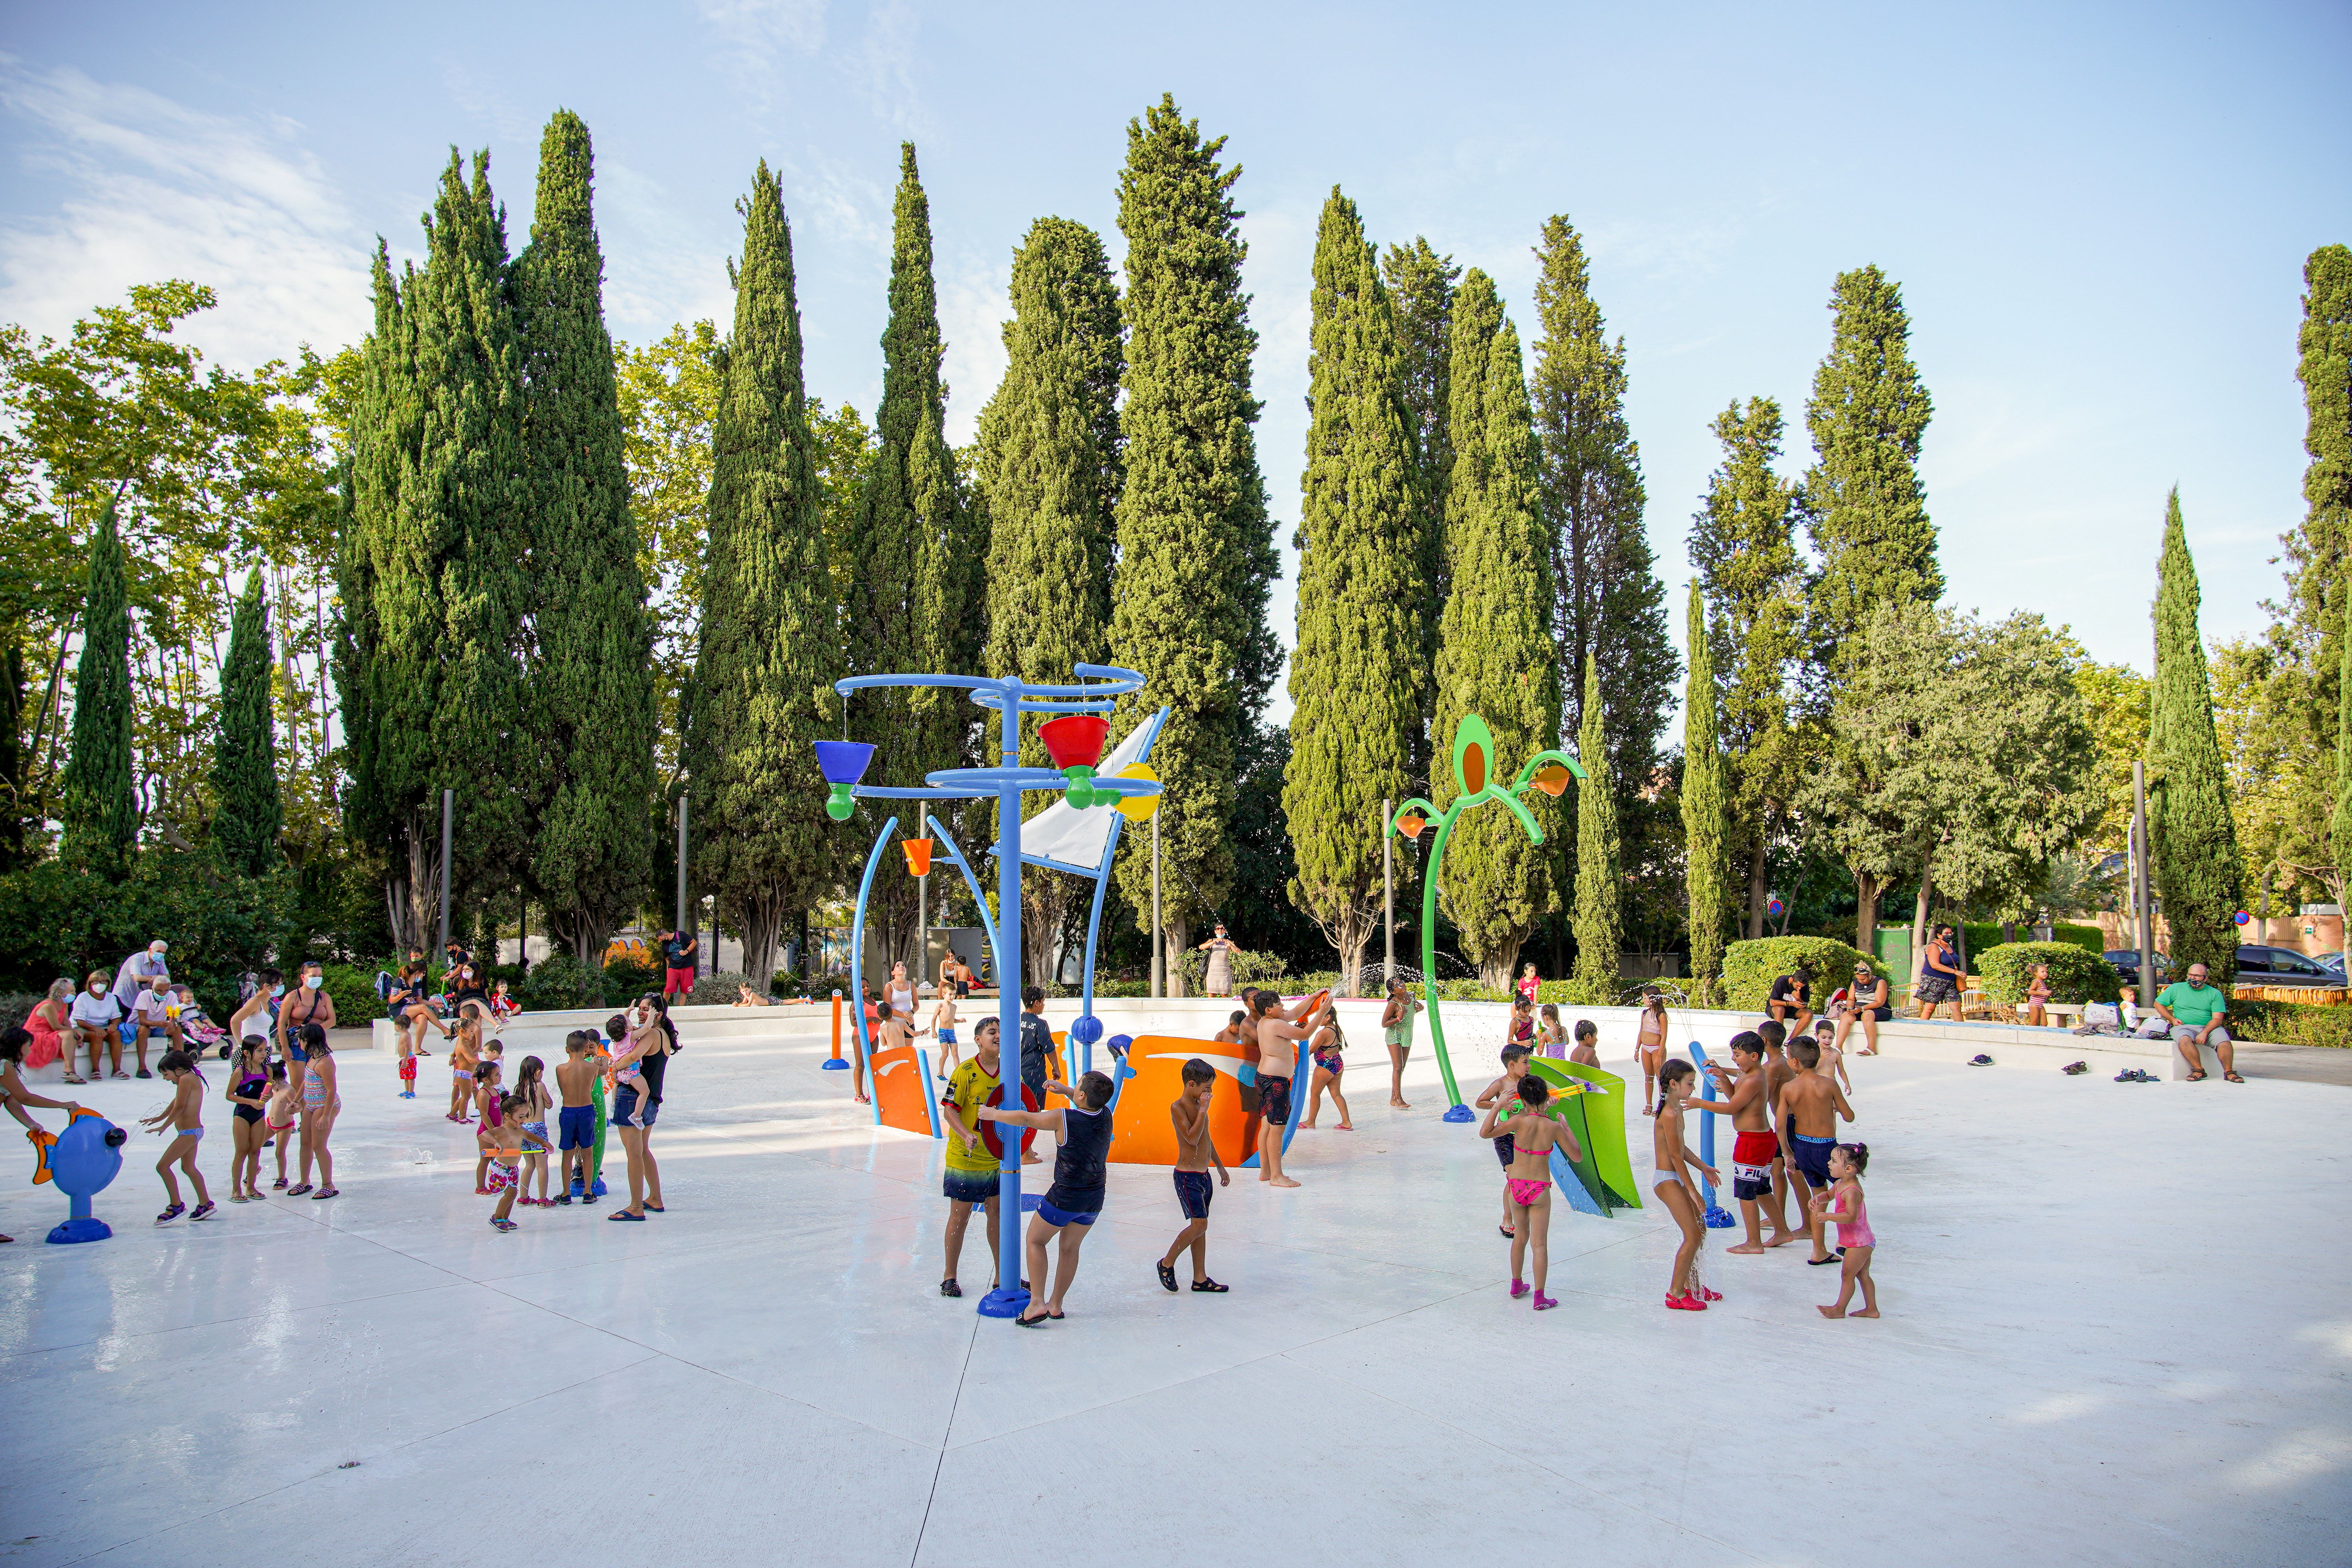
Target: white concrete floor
(2119, 1331)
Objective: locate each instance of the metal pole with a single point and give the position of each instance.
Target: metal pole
(2143, 906)
(1159, 964)
(681, 863)
(1008, 1298)
(923, 914)
(1387, 894)
(448, 811)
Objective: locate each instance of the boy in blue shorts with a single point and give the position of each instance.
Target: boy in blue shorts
(575, 1079)
(1075, 1201)
(1505, 1091)
(1809, 1104)
(1196, 1153)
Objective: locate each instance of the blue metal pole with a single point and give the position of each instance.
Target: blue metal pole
(857, 958)
(1717, 1217)
(1093, 925)
(1008, 1298)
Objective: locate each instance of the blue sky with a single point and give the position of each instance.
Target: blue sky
(2099, 213)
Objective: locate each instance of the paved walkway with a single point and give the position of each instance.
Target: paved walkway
(2104, 1343)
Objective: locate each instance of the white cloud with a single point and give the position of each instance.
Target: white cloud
(759, 27)
(882, 67)
(156, 190)
(975, 300)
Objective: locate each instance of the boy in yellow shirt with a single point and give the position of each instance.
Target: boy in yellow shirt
(971, 1169)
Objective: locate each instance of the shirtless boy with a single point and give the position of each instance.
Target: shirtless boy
(1754, 1142)
(1778, 1070)
(1196, 1155)
(944, 1028)
(1810, 1106)
(1277, 1035)
(186, 1116)
(505, 1145)
(1503, 1093)
(575, 1138)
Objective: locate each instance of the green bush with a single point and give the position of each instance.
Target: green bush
(712, 990)
(1750, 967)
(1584, 992)
(2289, 1023)
(1985, 935)
(2074, 975)
(1249, 969)
(627, 980)
(556, 983)
(353, 987)
(2090, 939)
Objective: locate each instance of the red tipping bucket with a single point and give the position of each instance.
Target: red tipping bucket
(1075, 740)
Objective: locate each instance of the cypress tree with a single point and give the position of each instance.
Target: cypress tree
(1356, 679)
(2194, 838)
(2320, 551)
(1495, 656)
(1743, 541)
(437, 551)
(246, 815)
(1049, 466)
(99, 813)
(595, 705)
(1866, 511)
(1196, 547)
(2339, 824)
(1703, 806)
(1599, 932)
(1612, 606)
(1049, 461)
(1420, 285)
(770, 650)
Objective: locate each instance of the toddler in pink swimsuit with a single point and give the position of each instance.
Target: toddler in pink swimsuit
(1857, 1244)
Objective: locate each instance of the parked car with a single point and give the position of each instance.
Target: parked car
(2126, 962)
(2333, 961)
(2283, 966)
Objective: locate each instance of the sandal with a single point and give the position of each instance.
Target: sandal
(77, 1078)
(949, 1287)
(2197, 1075)
(1168, 1276)
(2231, 1077)
(1207, 1287)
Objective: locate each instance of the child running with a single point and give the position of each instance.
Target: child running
(1196, 1155)
(186, 1115)
(531, 1083)
(505, 1135)
(1586, 1050)
(1650, 1047)
(1503, 1093)
(1527, 1182)
(1081, 1133)
(1551, 1040)
(575, 1078)
(1325, 1047)
(1842, 1202)
(1808, 1106)
(1684, 1291)
(248, 1091)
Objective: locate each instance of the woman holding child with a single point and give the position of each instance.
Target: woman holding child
(637, 1074)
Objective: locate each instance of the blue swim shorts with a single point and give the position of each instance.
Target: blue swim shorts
(1053, 1215)
(576, 1127)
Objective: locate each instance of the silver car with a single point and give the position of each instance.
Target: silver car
(2283, 966)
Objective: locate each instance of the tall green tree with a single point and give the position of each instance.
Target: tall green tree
(1495, 655)
(669, 395)
(771, 646)
(1866, 510)
(1050, 468)
(246, 815)
(433, 577)
(2319, 551)
(99, 813)
(1196, 547)
(594, 707)
(1610, 606)
(1420, 285)
(2340, 821)
(15, 784)
(1599, 933)
(2196, 867)
(1704, 802)
(1743, 541)
(1356, 677)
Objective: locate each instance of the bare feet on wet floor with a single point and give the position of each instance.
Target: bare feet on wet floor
(1783, 1237)
(1746, 1246)
(1278, 1180)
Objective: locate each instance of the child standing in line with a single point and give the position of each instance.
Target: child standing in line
(465, 1054)
(1327, 1047)
(577, 1121)
(1586, 1052)
(532, 1084)
(1778, 1070)
(1503, 1093)
(1552, 1039)
(1231, 1035)
(1081, 1133)
(944, 1028)
(1396, 1032)
(285, 1105)
(1527, 1183)
(1196, 1155)
(186, 1115)
(1842, 1202)
(248, 1091)
(506, 1144)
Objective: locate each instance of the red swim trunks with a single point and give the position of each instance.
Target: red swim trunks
(1752, 1163)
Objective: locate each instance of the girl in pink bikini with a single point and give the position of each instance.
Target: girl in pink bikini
(1842, 1202)
(1527, 1182)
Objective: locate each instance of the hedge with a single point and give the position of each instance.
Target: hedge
(2289, 1023)
(2074, 975)
(353, 987)
(1985, 935)
(1750, 967)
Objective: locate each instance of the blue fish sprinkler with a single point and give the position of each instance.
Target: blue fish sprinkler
(87, 1156)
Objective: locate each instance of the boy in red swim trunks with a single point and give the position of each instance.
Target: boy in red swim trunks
(1754, 1143)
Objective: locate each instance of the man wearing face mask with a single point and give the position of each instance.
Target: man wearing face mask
(138, 973)
(309, 1003)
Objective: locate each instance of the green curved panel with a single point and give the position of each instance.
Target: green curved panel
(1601, 1108)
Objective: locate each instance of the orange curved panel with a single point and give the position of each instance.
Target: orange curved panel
(901, 1094)
(1141, 1131)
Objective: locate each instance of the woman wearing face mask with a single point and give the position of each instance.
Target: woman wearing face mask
(309, 1005)
(95, 1013)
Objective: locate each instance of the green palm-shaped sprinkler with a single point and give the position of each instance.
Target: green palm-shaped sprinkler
(1473, 775)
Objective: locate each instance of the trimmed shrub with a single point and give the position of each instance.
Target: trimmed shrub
(556, 983)
(2289, 1023)
(1985, 935)
(713, 989)
(1582, 993)
(1249, 969)
(353, 987)
(1750, 967)
(2074, 975)
(626, 980)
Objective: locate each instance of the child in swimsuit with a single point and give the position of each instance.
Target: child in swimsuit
(17, 1097)
(1527, 1182)
(465, 1054)
(248, 1091)
(1586, 1050)
(1522, 1022)
(1684, 1291)
(505, 1142)
(1503, 1093)
(487, 1097)
(1650, 1047)
(1842, 1202)
(943, 1025)
(279, 1116)
(531, 1082)
(1324, 1047)
(186, 1115)
(1552, 1040)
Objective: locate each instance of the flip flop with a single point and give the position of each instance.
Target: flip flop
(1037, 1322)
(624, 1213)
